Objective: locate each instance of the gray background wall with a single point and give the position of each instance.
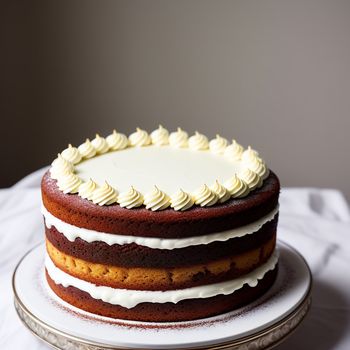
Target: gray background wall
(274, 74)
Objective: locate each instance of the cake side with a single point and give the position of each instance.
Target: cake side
(184, 310)
(136, 255)
(153, 227)
(167, 223)
(148, 278)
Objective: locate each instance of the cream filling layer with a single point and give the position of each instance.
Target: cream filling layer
(72, 232)
(129, 298)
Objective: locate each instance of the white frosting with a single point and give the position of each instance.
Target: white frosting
(181, 200)
(218, 145)
(60, 162)
(249, 154)
(252, 179)
(104, 195)
(167, 167)
(140, 138)
(69, 183)
(130, 298)
(87, 150)
(237, 187)
(221, 191)
(198, 142)
(258, 166)
(117, 141)
(72, 232)
(205, 197)
(156, 200)
(160, 136)
(234, 151)
(86, 189)
(60, 167)
(71, 154)
(130, 199)
(100, 144)
(178, 139)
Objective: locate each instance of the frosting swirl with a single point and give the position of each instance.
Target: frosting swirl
(222, 192)
(130, 199)
(86, 189)
(181, 201)
(86, 149)
(249, 154)
(252, 179)
(60, 162)
(160, 136)
(69, 183)
(205, 197)
(198, 142)
(117, 141)
(140, 138)
(156, 200)
(71, 154)
(258, 166)
(237, 187)
(100, 144)
(60, 167)
(104, 195)
(218, 145)
(179, 138)
(234, 151)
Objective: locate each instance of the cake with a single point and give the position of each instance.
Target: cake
(160, 227)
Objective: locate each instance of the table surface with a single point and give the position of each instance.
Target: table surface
(314, 221)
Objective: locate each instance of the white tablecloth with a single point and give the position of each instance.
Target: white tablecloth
(315, 221)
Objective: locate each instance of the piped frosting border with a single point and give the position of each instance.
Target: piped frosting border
(239, 185)
(130, 298)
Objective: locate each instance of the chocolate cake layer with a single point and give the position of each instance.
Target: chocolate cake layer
(166, 223)
(133, 255)
(190, 309)
(214, 271)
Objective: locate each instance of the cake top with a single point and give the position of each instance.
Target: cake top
(158, 170)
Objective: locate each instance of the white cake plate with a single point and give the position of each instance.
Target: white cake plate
(260, 325)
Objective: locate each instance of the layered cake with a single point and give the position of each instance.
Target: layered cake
(161, 226)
